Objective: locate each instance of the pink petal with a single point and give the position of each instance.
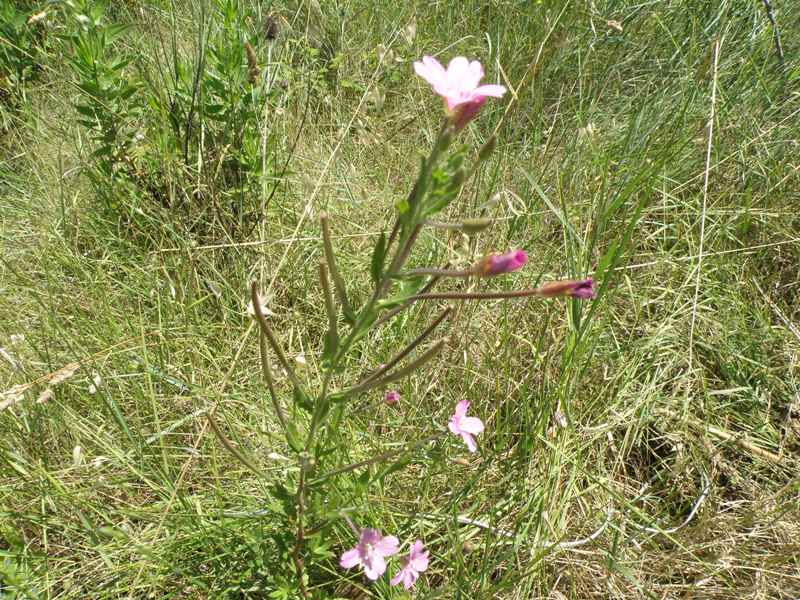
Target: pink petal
(428, 74)
(470, 442)
(375, 567)
(453, 425)
(461, 408)
(475, 75)
(387, 546)
(419, 562)
(398, 577)
(369, 536)
(350, 559)
(495, 91)
(471, 425)
(434, 65)
(458, 69)
(430, 70)
(409, 577)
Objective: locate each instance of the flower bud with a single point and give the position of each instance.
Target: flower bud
(497, 264)
(391, 397)
(574, 288)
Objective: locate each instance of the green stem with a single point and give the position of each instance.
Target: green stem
(408, 349)
(477, 295)
(378, 458)
(410, 368)
(262, 322)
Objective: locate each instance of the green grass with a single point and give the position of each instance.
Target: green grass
(682, 375)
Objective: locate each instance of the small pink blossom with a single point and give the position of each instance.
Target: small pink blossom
(370, 552)
(412, 566)
(575, 288)
(497, 264)
(459, 85)
(465, 426)
(391, 397)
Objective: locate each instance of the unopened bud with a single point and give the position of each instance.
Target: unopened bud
(575, 288)
(497, 264)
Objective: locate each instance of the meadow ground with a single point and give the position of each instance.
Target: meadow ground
(642, 445)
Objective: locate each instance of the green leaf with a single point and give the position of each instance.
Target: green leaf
(293, 437)
(362, 482)
(86, 111)
(408, 288)
(114, 31)
(402, 206)
(330, 345)
(396, 466)
(322, 409)
(302, 400)
(349, 315)
(378, 258)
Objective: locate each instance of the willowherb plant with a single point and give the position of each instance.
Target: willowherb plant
(107, 107)
(185, 133)
(313, 500)
(22, 33)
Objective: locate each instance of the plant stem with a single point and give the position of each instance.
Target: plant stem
(378, 458)
(330, 257)
(408, 349)
(265, 329)
(477, 295)
(439, 272)
(775, 31)
(358, 322)
(388, 315)
(267, 371)
(300, 534)
(329, 307)
(410, 368)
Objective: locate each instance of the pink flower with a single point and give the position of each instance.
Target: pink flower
(459, 86)
(497, 264)
(370, 553)
(412, 566)
(575, 288)
(465, 426)
(391, 397)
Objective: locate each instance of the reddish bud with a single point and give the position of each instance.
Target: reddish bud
(575, 288)
(391, 397)
(497, 264)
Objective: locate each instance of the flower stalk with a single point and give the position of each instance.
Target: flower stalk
(441, 177)
(582, 289)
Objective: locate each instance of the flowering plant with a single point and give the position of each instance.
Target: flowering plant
(310, 508)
